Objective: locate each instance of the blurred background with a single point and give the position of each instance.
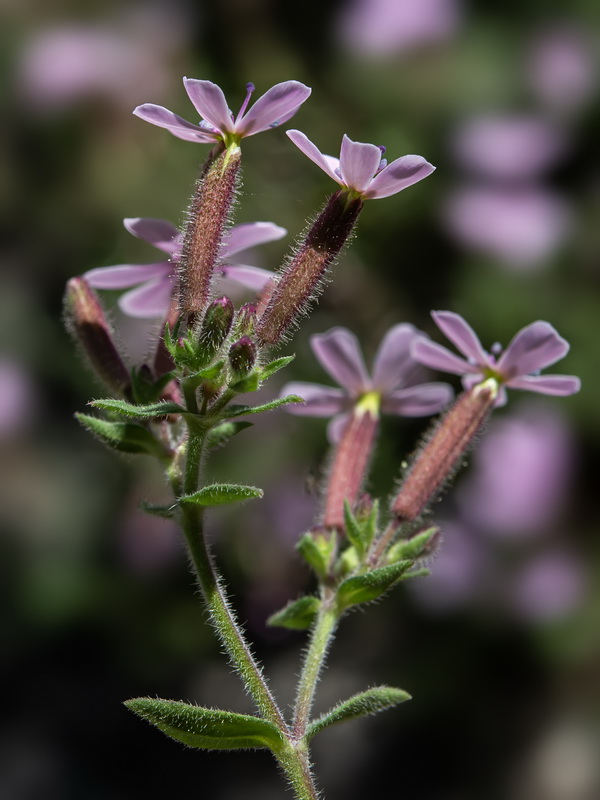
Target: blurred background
(500, 647)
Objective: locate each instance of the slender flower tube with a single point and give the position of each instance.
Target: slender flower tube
(534, 347)
(276, 106)
(155, 283)
(87, 322)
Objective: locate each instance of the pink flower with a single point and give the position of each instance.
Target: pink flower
(153, 297)
(534, 347)
(394, 381)
(273, 108)
(361, 170)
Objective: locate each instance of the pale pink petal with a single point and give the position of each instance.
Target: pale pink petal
(276, 106)
(122, 276)
(320, 401)
(394, 365)
(157, 232)
(149, 300)
(327, 163)
(533, 347)
(559, 385)
(336, 425)
(338, 352)
(209, 101)
(250, 234)
(398, 175)
(358, 163)
(254, 278)
(462, 335)
(438, 357)
(157, 115)
(418, 401)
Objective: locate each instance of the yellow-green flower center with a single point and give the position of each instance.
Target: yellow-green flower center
(369, 403)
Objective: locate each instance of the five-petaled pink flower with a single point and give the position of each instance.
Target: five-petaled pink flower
(534, 347)
(361, 169)
(153, 297)
(394, 386)
(273, 108)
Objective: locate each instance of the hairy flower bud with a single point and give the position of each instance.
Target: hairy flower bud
(215, 326)
(245, 319)
(86, 321)
(286, 298)
(203, 236)
(242, 356)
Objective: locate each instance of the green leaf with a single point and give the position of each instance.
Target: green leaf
(297, 615)
(210, 373)
(240, 411)
(166, 512)
(221, 434)
(415, 547)
(354, 531)
(208, 728)
(362, 588)
(218, 494)
(317, 550)
(150, 411)
(274, 366)
(251, 383)
(371, 525)
(126, 437)
(379, 698)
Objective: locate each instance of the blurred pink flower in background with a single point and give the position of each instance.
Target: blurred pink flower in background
(562, 67)
(17, 398)
(548, 587)
(508, 147)
(520, 226)
(386, 27)
(522, 471)
(120, 61)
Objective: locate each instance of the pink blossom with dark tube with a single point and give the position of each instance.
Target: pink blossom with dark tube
(534, 347)
(153, 297)
(361, 169)
(395, 379)
(276, 106)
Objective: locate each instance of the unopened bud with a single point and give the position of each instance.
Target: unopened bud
(215, 326)
(87, 322)
(246, 319)
(284, 302)
(446, 447)
(242, 357)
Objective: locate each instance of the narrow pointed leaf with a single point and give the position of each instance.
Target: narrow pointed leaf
(219, 494)
(371, 585)
(412, 548)
(354, 531)
(379, 698)
(297, 615)
(316, 550)
(207, 728)
(221, 434)
(274, 366)
(240, 411)
(150, 411)
(211, 372)
(126, 437)
(251, 383)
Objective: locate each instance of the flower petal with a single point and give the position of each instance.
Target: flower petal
(321, 401)
(559, 385)
(274, 107)
(249, 234)
(253, 277)
(398, 175)
(150, 300)
(359, 161)
(209, 101)
(394, 365)
(157, 232)
(122, 276)
(327, 163)
(339, 354)
(438, 357)
(533, 347)
(418, 401)
(462, 336)
(336, 425)
(157, 115)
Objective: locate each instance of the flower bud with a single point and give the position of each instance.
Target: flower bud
(215, 326)
(245, 319)
(86, 321)
(242, 357)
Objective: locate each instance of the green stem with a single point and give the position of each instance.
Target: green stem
(294, 761)
(314, 661)
(221, 614)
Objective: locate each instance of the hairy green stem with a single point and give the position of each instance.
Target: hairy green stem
(295, 762)
(314, 661)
